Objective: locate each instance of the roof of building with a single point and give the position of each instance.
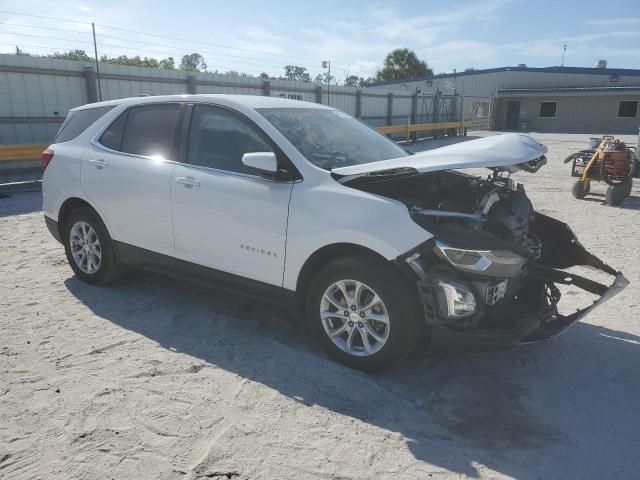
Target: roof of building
(570, 90)
(575, 70)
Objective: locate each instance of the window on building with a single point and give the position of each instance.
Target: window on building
(628, 109)
(78, 121)
(548, 109)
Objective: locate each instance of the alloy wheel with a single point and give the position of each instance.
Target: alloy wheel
(354, 317)
(85, 247)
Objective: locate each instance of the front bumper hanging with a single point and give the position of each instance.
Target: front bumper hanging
(543, 322)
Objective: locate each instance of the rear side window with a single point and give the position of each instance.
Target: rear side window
(78, 121)
(150, 129)
(112, 136)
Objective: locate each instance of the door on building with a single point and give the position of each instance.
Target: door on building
(513, 115)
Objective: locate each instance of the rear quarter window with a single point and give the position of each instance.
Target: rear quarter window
(78, 121)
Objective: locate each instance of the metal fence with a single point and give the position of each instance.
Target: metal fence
(36, 93)
(479, 113)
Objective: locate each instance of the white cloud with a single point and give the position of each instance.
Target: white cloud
(84, 8)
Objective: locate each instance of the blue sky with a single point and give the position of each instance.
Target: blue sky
(256, 36)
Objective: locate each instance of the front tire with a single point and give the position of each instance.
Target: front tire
(580, 189)
(364, 312)
(89, 248)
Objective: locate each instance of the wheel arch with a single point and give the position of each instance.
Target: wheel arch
(68, 206)
(321, 257)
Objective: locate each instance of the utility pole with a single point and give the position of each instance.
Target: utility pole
(564, 49)
(95, 51)
(325, 64)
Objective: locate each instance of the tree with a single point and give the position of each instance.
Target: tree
(19, 51)
(264, 76)
(470, 69)
(296, 73)
(401, 64)
(78, 55)
(168, 63)
(355, 81)
(324, 78)
(352, 81)
(193, 62)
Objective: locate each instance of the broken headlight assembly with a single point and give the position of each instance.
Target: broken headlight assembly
(493, 263)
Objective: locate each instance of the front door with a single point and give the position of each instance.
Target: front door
(128, 176)
(513, 115)
(225, 216)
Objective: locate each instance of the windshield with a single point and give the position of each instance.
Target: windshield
(330, 138)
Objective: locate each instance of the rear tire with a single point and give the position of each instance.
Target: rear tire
(617, 193)
(366, 342)
(89, 248)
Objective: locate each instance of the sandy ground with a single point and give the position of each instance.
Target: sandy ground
(154, 378)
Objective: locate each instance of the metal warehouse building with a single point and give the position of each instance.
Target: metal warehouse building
(553, 99)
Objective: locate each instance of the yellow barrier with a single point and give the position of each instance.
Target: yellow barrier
(21, 152)
(420, 127)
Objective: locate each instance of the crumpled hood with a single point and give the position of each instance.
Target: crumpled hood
(511, 151)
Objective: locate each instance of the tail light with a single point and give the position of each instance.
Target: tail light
(47, 156)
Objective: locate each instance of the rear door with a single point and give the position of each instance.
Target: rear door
(127, 174)
(226, 217)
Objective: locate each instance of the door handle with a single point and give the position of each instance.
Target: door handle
(188, 182)
(98, 163)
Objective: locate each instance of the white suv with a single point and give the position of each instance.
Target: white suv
(306, 206)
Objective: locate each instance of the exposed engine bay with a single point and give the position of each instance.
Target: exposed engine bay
(448, 202)
(493, 265)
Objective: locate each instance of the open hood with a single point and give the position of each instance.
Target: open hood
(510, 152)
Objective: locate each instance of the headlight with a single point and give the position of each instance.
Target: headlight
(494, 263)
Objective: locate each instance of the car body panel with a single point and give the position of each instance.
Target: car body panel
(232, 222)
(326, 213)
(496, 151)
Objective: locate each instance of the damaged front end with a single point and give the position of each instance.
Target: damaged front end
(490, 275)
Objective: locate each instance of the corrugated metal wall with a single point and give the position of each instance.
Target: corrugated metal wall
(36, 94)
(487, 84)
(584, 114)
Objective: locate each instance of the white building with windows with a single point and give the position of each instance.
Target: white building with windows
(553, 99)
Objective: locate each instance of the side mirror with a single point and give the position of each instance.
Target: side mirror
(262, 162)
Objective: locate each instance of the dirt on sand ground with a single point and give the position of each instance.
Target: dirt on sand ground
(155, 378)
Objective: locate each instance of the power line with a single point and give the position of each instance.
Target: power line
(207, 43)
(87, 32)
(42, 16)
(180, 50)
(161, 36)
(114, 54)
(45, 37)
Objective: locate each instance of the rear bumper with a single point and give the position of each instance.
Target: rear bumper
(52, 225)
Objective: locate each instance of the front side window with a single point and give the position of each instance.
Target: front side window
(219, 138)
(78, 121)
(548, 109)
(628, 109)
(330, 138)
(146, 130)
